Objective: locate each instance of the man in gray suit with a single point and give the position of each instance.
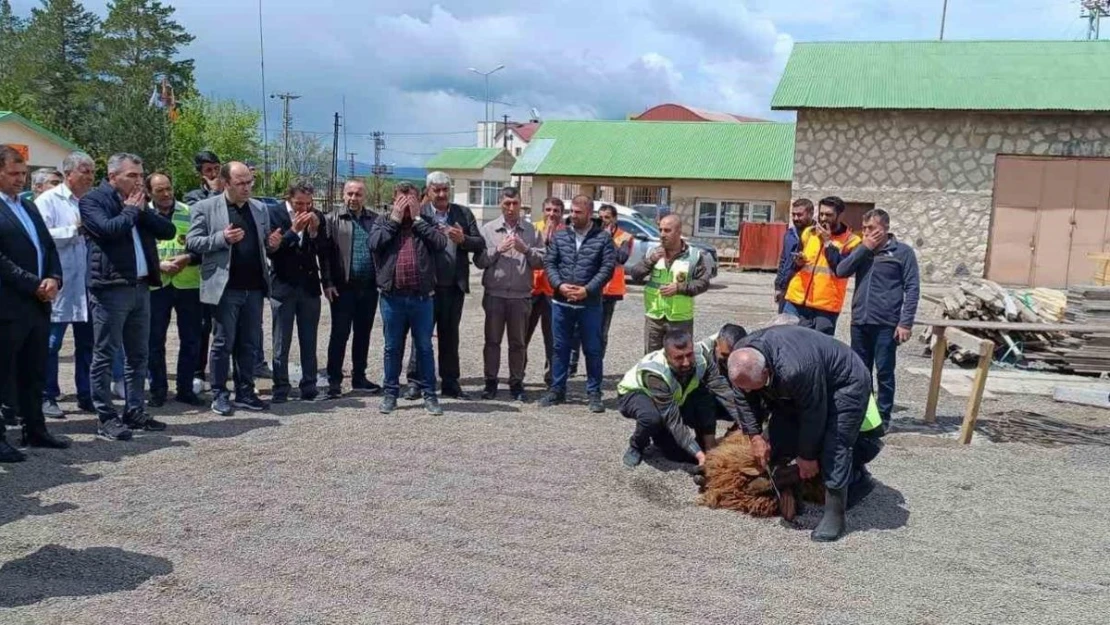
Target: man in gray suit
(232, 232)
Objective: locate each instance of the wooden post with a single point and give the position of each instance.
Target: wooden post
(986, 354)
(940, 353)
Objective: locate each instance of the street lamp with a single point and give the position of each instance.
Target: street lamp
(488, 112)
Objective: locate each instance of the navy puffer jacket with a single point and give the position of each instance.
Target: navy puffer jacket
(590, 266)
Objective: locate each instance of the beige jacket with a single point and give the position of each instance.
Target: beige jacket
(509, 274)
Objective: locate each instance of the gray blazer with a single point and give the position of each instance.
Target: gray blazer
(208, 218)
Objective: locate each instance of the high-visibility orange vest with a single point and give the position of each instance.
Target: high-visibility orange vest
(815, 285)
(540, 283)
(616, 285)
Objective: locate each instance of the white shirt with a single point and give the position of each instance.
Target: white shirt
(60, 212)
(579, 238)
(292, 216)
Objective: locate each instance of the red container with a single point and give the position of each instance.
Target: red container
(761, 245)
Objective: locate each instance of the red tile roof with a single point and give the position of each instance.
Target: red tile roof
(682, 113)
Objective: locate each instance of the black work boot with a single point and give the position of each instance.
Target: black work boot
(831, 527)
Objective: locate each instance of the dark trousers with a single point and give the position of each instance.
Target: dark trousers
(541, 315)
(121, 320)
(505, 317)
(447, 309)
(820, 320)
(656, 329)
(24, 352)
(566, 321)
(205, 336)
(82, 359)
(698, 413)
(841, 434)
(875, 346)
(400, 314)
(352, 313)
(302, 310)
(237, 324)
(185, 303)
(608, 307)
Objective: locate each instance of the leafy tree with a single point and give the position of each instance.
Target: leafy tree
(228, 128)
(308, 158)
(58, 41)
(140, 40)
(130, 124)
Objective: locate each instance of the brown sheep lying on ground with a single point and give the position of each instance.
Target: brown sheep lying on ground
(733, 480)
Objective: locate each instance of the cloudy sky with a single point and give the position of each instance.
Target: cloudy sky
(402, 64)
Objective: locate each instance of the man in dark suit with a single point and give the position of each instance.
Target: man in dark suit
(123, 266)
(298, 267)
(30, 276)
(452, 266)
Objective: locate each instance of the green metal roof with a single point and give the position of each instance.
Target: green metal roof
(677, 150)
(948, 75)
(463, 158)
(16, 117)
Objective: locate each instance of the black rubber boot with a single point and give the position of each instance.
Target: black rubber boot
(831, 527)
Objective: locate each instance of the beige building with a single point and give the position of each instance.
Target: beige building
(477, 177)
(714, 176)
(40, 147)
(993, 158)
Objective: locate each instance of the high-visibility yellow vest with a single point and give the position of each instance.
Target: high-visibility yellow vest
(676, 307)
(871, 418)
(815, 285)
(656, 363)
(189, 277)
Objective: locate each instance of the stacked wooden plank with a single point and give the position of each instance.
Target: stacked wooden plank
(1088, 353)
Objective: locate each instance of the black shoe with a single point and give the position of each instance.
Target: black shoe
(10, 416)
(490, 392)
(139, 420)
(85, 404)
(551, 398)
(831, 527)
(222, 405)
(632, 457)
(279, 398)
(114, 430)
(335, 392)
(189, 399)
(51, 410)
(310, 395)
(431, 405)
(518, 394)
(263, 371)
(365, 386)
(412, 392)
(40, 437)
(596, 405)
(250, 402)
(9, 453)
(156, 401)
(388, 405)
(455, 392)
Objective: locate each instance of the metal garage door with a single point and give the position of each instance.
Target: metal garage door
(1048, 215)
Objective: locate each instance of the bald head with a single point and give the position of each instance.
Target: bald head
(747, 369)
(670, 233)
(238, 181)
(160, 189)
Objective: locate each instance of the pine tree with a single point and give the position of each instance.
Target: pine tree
(139, 44)
(59, 39)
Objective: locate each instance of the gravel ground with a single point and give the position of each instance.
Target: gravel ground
(332, 513)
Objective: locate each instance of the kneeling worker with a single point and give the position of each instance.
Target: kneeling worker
(671, 394)
(818, 391)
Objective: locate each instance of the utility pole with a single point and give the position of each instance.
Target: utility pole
(379, 170)
(350, 165)
(486, 138)
(1093, 11)
(334, 164)
(505, 133)
(286, 126)
(943, 19)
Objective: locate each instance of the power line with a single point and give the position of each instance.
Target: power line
(388, 134)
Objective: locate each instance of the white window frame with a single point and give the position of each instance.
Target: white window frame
(757, 211)
(490, 190)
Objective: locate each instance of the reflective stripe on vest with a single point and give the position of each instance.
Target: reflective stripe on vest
(676, 307)
(189, 277)
(871, 419)
(815, 285)
(656, 362)
(616, 285)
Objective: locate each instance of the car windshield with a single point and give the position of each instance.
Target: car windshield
(647, 227)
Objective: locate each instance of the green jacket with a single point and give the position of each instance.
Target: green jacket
(189, 277)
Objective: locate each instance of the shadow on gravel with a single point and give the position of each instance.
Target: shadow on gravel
(476, 407)
(46, 469)
(883, 509)
(56, 571)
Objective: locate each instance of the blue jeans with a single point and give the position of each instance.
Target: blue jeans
(121, 320)
(812, 317)
(186, 302)
(82, 359)
(400, 313)
(566, 322)
(875, 345)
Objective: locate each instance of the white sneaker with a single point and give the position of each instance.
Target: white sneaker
(119, 390)
(200, 386)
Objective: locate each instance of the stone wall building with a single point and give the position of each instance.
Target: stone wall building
(979, 150)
